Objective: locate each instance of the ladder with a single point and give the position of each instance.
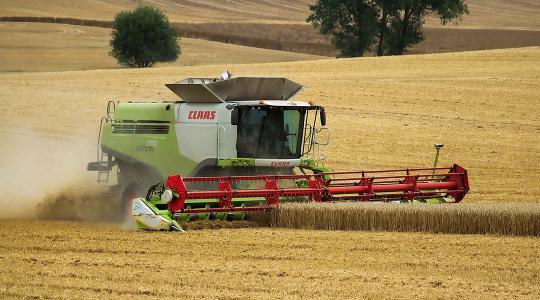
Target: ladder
(104, 161)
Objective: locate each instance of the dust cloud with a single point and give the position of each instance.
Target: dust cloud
(44, 176)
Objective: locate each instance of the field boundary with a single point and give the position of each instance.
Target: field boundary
(305, 39)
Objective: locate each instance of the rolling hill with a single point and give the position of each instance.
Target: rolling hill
(501, 14)
(58, 47)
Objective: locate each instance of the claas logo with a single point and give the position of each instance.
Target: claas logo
(280, 164)
(201, 115)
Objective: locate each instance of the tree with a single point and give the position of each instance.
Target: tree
(142, 37)
(406, 24)
(387, 9)
(394, 25)
(352, 24)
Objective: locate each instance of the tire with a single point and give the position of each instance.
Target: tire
(134, 179)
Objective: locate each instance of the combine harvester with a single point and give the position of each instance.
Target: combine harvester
(238, 145)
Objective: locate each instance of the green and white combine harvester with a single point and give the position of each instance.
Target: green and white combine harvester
(237, 145)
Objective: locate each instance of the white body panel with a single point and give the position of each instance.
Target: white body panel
(271, 162)
(197, 141)
(204, 131)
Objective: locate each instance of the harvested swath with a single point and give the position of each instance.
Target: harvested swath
(502, 219)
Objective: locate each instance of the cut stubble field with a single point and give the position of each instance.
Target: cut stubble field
(78, 261)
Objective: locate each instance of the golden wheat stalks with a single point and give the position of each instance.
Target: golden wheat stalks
(504, 219)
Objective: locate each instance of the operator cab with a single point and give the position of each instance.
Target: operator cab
(269, 133)
(272, 129)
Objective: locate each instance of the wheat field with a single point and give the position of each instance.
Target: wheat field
(91, 261)
(500, 219)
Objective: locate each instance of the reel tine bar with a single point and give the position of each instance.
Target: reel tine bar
(390, 185)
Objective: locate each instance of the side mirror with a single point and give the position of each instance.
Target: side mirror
(235, 117)
(323, 118)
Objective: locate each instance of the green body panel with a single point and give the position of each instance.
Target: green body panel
(160, 151)
(154, 203)
(439, 200)
(315, 166)
(145, 111)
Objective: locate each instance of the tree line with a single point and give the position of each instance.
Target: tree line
(142, 37)
(384, 27)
